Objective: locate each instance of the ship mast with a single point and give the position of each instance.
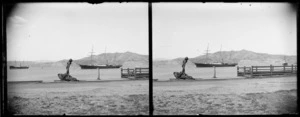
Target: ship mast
(221, 54)
(106, 56)
(92, 54)
(207, 52)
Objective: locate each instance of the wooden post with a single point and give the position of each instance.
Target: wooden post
(121, 73)
(237, 69)
(251, 70)
(135, 70)
(256, 69)
(271, 70)
(214, 72)
(98, 74)
(128, 73)
(292, 68)
(244, 70)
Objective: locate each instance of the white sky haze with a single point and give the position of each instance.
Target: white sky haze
(185, 29)
(56, 31)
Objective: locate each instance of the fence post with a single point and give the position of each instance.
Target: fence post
(251, 69)
(214, 72)
(128, 73)
(244, 70)
(135, 70)
(121, 73)
(292, 68)
(256, 69)
(237, 69)
(271, 70)
(98, 74)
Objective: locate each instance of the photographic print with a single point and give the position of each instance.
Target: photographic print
(78, 59)
(224, 58)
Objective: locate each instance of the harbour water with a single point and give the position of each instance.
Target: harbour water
(166, 72)
(49, 74)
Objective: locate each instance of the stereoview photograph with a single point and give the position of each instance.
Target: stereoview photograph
(224, 58)
(78, 59)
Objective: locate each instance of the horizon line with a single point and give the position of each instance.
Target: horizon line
(161, 58)
(42, 60)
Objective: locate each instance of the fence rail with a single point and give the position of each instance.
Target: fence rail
(141, 72)
(255, 71)
(136, 72)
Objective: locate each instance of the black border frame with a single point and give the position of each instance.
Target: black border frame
(7, 7)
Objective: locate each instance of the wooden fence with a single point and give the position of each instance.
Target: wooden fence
(136, 73)
(255, 71)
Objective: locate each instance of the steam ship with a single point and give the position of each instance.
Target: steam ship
(92, 66)
(221, 64)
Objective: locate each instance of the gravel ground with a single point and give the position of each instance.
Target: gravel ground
(227, 97)
(73, 98)
(223, 97)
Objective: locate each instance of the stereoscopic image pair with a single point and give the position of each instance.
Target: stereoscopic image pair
(144, 58)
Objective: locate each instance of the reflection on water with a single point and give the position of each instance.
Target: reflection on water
(166, 72)
(49, 74)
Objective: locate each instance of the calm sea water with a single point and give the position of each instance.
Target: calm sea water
(166, 72)
(49, 74)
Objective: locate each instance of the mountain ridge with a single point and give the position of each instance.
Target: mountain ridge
(126, 59)
(242, 57)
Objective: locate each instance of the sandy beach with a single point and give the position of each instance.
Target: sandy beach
(79, 98)
(257, 96)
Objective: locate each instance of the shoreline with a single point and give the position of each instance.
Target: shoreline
(154, 80)
(80, 81)
(220, 79)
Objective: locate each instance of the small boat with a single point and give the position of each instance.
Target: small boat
(285, 63)
(221, 64)
(18, 67)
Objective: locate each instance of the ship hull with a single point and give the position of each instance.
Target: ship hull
(21, 67)
(216, 65)
(100, 67)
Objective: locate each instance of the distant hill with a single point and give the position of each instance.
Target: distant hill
(127, 59)
(34, 63)
(242, 57)
(130, 60)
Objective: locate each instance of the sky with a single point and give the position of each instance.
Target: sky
(56, 31)
(186, 29)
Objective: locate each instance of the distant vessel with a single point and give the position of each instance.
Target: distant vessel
(18, 67)
(106, 66)
(99, 66)
(215, 64)
(285, 63)
(222, 64)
